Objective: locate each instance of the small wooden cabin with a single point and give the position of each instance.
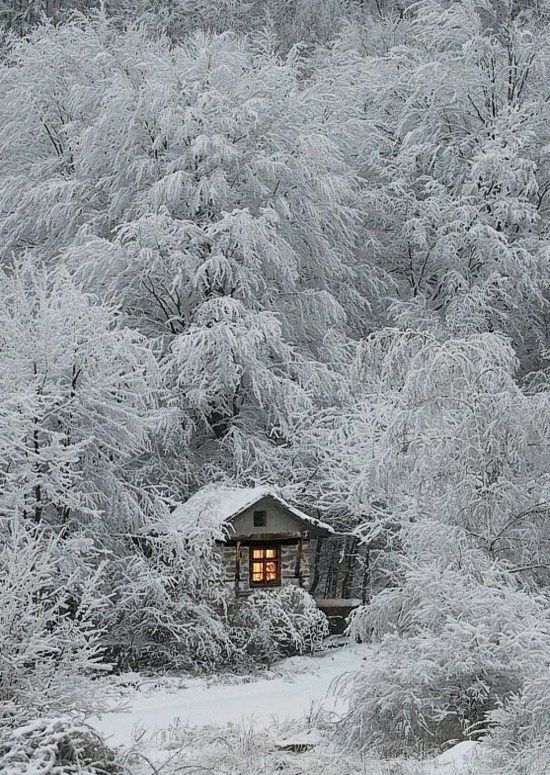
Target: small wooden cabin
(267, 539)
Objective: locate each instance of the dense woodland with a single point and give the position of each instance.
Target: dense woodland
(296, 242)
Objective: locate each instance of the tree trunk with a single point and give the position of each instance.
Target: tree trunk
(237, 568)
(366, 578)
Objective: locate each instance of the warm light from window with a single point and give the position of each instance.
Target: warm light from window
(264, 565)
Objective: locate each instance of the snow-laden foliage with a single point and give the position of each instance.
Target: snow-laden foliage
(283, 23)
(50, 644)
(168, 607)
(439, 429)
(241, 748)
(302, 242)
(221, 220)
(57, 746)
(77, 405)
(274, 623)
(521, 737)
(448, 468)
(454, 638)
(458, 213)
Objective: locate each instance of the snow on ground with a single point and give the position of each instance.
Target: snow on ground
(297, 686)
(461, 758)
(164, 713)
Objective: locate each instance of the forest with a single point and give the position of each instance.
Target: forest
(295, 243)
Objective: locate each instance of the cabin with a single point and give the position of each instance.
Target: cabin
(265, 541)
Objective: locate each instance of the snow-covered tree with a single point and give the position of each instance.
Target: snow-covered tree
(445, 458)
(168, 601)
(440, 429)
(221, 220)
(446, 106)
(77, 406)
(49, 641)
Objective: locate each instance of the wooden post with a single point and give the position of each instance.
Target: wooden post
(237, 568)
(351, 554)
(298, 572)
(316, 563)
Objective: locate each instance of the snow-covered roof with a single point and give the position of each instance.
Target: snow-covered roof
(217, 504)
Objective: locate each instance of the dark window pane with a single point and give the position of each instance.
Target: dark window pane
(260, 519)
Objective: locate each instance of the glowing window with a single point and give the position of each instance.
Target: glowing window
(264, 565)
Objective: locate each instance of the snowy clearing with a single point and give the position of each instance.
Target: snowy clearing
(295, 688)
(160, 713)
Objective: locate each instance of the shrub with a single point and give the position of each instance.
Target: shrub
(240, 749)
(56, 746)
(455, 638)
(274, 623)
(520, 736)
(418, 693)
(167, 606)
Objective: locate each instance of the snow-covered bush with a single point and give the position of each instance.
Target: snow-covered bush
(239, 749)
(454, 638)
(274, 623)
(56, 746)
(49, 643)
(419, 693)
(168, 606)
(520, 736)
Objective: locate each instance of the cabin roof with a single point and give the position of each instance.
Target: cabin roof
(218, 504)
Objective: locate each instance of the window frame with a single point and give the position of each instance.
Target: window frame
(264, 560)
(262, 515)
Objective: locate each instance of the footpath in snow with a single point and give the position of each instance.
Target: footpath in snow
(297, 686)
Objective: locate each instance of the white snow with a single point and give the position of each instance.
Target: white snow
(300, 685)
(461, 758)
(216, 504)
(292, 692)
(336, 602)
